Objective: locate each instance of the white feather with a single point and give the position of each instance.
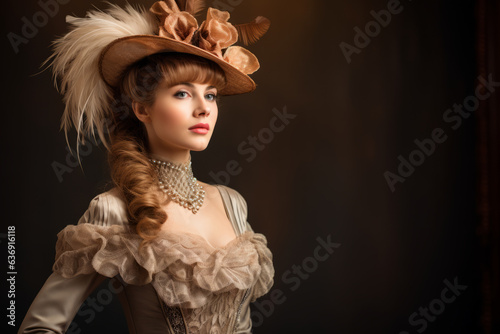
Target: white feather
(75, 61)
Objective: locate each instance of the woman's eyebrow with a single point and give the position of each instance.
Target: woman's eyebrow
(189, 84)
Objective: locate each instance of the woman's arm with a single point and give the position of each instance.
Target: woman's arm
(60, 298)
(57, 302)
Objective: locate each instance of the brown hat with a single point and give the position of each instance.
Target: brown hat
(90, 59)
(179, 32)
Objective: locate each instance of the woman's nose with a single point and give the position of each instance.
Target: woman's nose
(202, 105)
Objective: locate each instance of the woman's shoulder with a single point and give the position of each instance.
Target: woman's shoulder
(230, 192)
(229, 195)
(106, 209)
(236, 204)
(109, 208)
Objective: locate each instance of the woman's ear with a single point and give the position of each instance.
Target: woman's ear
(141, 112)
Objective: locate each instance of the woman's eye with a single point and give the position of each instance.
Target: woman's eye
(180, 94)
(211, 97)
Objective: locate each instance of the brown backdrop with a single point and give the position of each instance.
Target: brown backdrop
(320, 177)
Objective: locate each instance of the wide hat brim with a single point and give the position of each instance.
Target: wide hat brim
(123, 52)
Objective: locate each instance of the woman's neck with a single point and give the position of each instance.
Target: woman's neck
(176, 158)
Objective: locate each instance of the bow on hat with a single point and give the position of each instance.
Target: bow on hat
(214, 35)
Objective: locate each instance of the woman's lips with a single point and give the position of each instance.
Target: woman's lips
(200, 130)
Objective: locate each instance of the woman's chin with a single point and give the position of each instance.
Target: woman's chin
(199, 148)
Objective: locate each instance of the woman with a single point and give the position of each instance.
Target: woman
(182, 250)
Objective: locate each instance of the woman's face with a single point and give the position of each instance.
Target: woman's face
(176, 110)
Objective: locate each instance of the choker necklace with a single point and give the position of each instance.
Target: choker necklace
(177, 181)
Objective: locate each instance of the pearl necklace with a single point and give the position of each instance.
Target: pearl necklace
(177, 181)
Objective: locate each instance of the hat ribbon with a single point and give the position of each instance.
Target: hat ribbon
(213, 35)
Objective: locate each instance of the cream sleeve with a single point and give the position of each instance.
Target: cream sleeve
(59, 299)
(57, 302)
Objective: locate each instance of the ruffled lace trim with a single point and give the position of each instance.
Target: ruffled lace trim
(183, 268)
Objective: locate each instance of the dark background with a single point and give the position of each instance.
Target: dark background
(322, 175)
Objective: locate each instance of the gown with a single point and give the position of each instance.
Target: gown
(177, 284)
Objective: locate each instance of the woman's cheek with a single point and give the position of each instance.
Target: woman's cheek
(162, 116)
(164, 120)
(170, 122)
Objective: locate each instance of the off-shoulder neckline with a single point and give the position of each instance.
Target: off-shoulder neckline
(230, 217)
(206, 242)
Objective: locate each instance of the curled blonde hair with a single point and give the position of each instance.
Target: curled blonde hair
(131, 170)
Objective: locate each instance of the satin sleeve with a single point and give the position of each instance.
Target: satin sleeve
(60, 298)
(57, 303)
